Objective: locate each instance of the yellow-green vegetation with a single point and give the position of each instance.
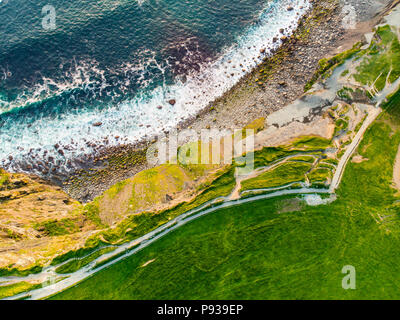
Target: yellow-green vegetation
(340, 114)
(57, 227)
(341, 125)
(305, 158)
(282, 175)
(343, 110)
(309, 143)
(77, 263)
(158, 185)
(326, 66)
(11, 234)
(38, 221)
(345, 93)
(257, 125)
(329, 165)
(3, 177)
(16, 288)
(270, 249)
(319, 174)
(152, 186)
(92, 212)
(269, 155)
(137, 225)
(359, 125)
(13, 271)
(330, 161)
(78, 253)
(345, 73)
(304, 146)
(145, 190)
(116, 189)
(381, 61)
(391, 105)
(308, 148)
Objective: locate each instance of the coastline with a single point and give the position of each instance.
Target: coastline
(337, 131)
(256, 95)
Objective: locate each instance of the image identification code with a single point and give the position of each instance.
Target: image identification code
(205, 309)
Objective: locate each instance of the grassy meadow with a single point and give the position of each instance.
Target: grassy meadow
(278, 248)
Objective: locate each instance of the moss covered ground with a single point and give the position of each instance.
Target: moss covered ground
(327, 65)
(13, 289)
(284, 174)
(3, 177)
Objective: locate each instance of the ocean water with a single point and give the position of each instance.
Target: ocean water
(118, 63)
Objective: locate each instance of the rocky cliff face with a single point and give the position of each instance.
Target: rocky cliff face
(31, 211)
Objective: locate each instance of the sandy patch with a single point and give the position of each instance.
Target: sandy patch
(358, 159)
(323, 127)
(112, 209)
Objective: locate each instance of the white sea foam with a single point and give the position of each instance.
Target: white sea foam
(316, 199)
(141, 117)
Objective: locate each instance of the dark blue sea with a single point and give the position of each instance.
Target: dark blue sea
(80, 75)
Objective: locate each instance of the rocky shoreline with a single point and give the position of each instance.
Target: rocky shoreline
(311, 142)
(276, 82)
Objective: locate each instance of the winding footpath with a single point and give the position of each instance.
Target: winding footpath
(373, 113)
(57, 283)
(396, 170)
(144, 241)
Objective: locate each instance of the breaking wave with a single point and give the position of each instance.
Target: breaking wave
(46, 127)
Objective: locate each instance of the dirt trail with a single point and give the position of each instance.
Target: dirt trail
(372, 115)
(396, 170)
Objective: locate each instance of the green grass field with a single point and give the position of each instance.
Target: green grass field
(275, 249)
(383, 60)
(282, 175)
(13, 289)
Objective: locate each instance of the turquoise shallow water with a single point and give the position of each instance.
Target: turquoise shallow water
(117, 62)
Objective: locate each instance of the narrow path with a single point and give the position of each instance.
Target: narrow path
(136, 245)
(373, 113)
(144, 241)
(235, 195)
(396, 170)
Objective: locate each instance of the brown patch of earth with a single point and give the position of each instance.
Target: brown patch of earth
(290, 205)
(358, 159)
(29, 210)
